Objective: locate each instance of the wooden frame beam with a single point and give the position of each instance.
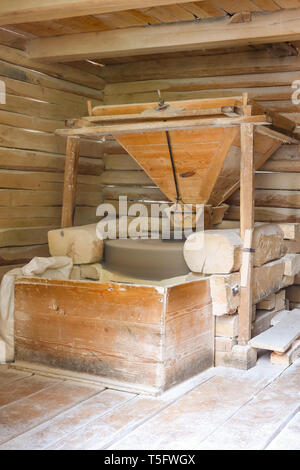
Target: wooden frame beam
(70, 180)
(278, 26)
(246, 227)
(20, 11)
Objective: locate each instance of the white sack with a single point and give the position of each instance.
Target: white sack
(58, 267)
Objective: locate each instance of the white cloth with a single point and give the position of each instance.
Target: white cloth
(57, 267)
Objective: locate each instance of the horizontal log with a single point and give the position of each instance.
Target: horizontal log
(167, 85)
(18, 255)
(42, 109)
(281, 166)
(29, 122)
(125, 178)
(60, 71)
(281, 25)
(267, 214)
(19, 73)
(197, 66)
(220, 251)
(120, 162)
(45, 181)
(289, 181)
(267, 279)
(133, 193)
(13, 137)
(20, 198)
(270, 198)
(39, 92)
(17, 159)
(12, 237)
(262, 94)
(32, 222)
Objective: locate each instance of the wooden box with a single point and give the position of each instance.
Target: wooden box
(143, 338)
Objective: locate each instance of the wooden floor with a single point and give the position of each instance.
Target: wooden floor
(219, 409)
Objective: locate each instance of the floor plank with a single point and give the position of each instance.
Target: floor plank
(255, 425)
(22, 388)
(57, 428)
(19, 417)
(221, 408)
(198, 413)
(8, 375)
(289, 437)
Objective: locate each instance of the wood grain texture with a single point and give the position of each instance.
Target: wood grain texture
(122, 333)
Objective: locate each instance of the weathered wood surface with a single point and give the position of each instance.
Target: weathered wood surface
(267, 279)
(220, 251)
(120, 329)
(70, 182)
(79, 243)
(280, 337)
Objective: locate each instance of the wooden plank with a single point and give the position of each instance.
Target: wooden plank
(66, 72)
(270, 198)
(267, 214)
(280, 337)
(63, 425)
(198, 413)
(23, 74)
(246, 228)
(158, 126)
(267, 279)
(230, 81)
(290, 181)
(231, 65)
(120, 178)
(287, 439)
(8, 375)
(189, 331)
(21, 198)
(16, 12)
(22, 388)
(31, 160)
(44, 181)
(23, 236)
(126, 336)
(22, 255)
(17, 418)
(267, 416)
(264, 28)
(70, 181)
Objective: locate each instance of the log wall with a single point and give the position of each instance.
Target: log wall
(39, 98)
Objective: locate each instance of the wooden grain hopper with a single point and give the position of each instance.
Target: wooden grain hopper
(190, 149)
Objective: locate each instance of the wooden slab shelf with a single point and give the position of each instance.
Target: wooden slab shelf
(190, 149)
(142, 338)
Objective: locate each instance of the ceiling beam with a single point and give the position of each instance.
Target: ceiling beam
(26, 11)
(282, 25)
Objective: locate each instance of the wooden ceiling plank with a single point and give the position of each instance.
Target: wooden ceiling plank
(18, 11)
(282, 25)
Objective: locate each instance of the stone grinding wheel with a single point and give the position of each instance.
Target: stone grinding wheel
(145, 259)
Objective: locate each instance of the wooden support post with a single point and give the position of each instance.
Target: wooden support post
(70, 179)
(246, 227)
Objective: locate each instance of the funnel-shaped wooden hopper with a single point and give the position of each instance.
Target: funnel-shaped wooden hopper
(191, 149)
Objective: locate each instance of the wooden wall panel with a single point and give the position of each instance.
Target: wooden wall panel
(39, 98)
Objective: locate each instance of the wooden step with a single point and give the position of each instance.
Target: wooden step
(281, 336)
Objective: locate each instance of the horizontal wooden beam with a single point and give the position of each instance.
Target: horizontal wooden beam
(278, 26)
(157, 126)
(20, 11)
